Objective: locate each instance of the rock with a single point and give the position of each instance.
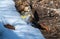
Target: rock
(45, 14)
(49, 15)
(9, 26)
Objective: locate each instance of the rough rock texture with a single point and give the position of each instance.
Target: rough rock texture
(47, 15)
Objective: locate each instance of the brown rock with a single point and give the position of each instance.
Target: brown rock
(9, 26)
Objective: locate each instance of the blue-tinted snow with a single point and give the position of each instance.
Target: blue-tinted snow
(9, 15)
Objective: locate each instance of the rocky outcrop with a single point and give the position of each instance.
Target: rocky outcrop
(46, 15)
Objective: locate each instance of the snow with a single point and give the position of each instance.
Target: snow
(9, 15)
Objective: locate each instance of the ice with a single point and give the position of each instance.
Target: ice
(9, 15)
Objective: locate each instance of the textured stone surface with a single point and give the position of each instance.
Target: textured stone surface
(51, 18)
(47, 12)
